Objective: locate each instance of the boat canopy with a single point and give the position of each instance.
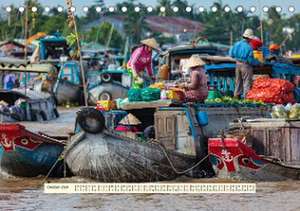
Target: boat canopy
(20, 65)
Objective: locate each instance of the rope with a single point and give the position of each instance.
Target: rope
(53, 166)
(171, 163)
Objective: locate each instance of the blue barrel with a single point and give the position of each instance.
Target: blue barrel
(202, 118)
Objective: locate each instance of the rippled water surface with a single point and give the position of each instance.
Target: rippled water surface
(27, 194)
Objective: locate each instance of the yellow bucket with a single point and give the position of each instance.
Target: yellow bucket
(258, 55)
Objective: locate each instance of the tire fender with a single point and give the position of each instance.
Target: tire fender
(91, 120)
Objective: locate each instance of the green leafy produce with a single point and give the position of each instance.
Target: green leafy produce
(150, 94)
(232, 101)
(134, 95)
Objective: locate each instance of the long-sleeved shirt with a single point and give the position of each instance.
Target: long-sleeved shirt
(197, 88)
(243, 52)
(140, 60)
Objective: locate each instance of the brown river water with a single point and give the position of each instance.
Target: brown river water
(27, 193)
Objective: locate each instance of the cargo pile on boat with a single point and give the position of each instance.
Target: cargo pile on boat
(154, 133)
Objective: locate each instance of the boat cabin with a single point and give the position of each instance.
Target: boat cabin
(183, 128)
(21, 105)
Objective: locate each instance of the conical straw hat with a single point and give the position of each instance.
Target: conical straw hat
(129, 119)
(195, 61)
(151, 42)
(248, 34)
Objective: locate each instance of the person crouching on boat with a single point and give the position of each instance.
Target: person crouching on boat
(196, 89)
(140, 60)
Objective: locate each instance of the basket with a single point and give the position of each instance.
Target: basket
(175, 95)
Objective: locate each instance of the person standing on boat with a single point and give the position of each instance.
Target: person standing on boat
(140, 60)
(197, 89)
(242, 51)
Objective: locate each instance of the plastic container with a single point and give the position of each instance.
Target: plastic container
(105, 105)
(202, 118)
(213, 94)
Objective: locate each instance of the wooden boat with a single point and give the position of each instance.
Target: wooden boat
(67, 92)
(270, 152)
(38, 106)
(27, 154)
(110, 158)
(107, 157)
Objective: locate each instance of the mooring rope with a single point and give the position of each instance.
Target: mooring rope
(171, 163)
(53, 166)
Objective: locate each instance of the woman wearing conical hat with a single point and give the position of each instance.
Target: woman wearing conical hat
(141, 60)
(197, 89)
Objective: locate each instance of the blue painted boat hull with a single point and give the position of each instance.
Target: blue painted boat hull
(27, 163)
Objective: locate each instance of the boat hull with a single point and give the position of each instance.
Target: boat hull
(26, 163)
(233, 159)
(107, 158)
(27, 154)
(66, 92)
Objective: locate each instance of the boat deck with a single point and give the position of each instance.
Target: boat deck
(62, 126)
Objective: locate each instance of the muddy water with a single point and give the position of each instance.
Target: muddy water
(27, 194)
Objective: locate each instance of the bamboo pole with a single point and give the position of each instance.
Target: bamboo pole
(110, 36)
(261, 22)
(73, 22)
(25, 37)
(85, 94)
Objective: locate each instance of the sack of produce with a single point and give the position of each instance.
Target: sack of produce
(150, 94)
(272, 90)
(294, 112)
(134, 95)
(279, 111)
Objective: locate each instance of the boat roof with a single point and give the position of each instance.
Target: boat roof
(53, 39)
(30, 94)
(190, 49)
(21, 65)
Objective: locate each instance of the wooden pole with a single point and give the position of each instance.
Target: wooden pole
(25, 37)
(110, 36)
(261, 22)
(73, 22)
(85, 94)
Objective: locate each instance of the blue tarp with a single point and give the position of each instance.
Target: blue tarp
(277, 68)
(222, 66)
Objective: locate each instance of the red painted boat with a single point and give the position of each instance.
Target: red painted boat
(233, 158)
(28, 154)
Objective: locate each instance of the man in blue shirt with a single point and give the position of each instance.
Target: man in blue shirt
(242, 52)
